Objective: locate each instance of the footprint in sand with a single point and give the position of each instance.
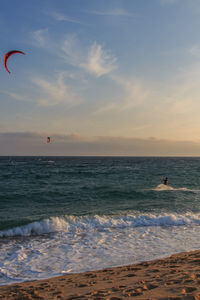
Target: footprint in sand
(188, 289)
(113, 298)
(99, 293)
(188, 281)
(130, 275)
(91, 275)
(149, 286)
(155, 271)
(81, 285)
(132, 269)
(73, 297)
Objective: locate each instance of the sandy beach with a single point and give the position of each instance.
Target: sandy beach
(175, 277)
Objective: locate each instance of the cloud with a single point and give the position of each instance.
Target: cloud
(116, 12)
(62, 17)
(168, 1)
(40, 37)
(49, 92)
(99, 61)
(185, 89)
(16, 96)
(93, 59)
(34, 143)
(134, 94)
(71, 50)
(195, 51)
(54, 92)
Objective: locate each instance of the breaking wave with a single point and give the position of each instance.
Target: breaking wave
(75, 225)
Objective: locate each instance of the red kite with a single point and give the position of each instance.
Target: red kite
(7, 55)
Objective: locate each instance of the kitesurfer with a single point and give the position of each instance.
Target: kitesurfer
(165, 181)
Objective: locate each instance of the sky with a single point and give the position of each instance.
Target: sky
(109, 77)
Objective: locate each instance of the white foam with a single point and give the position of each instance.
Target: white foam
(36, 228)
(84, 243)
(74, 225)
(164, 187)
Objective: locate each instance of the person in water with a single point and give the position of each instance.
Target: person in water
(165, 181)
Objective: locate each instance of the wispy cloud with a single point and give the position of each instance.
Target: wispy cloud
(116, 12)
(40, 36)
(54, 92)
(62, 17)
(176, 108)
(168, 1)
(99, 61)
(194, 50)
(134, 94)
(135, 91)
(94, 58)
(71, 50)
(18, 97)
(49, 92)
(185, 89)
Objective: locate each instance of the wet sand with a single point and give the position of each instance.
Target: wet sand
(175, 277)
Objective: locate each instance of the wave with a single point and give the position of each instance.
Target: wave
(80, 225)
(164, 187)
(53, 224)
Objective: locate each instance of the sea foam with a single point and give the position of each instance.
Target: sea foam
(164, 187)
(73, 224)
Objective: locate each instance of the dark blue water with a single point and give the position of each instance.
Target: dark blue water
(89, 195)
(33, 188)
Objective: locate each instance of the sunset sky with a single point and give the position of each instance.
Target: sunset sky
(109, 77)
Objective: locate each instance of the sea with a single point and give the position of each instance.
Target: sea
(62, 215)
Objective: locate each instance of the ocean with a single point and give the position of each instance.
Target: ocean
(61, 215)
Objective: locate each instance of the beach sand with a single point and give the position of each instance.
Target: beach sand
(175, 277)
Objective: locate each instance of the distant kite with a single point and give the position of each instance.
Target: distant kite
(7, 56)
(48, 139)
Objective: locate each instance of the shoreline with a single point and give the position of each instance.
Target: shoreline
(175, 276)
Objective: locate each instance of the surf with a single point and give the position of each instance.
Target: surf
(101, 223)
(164, 187)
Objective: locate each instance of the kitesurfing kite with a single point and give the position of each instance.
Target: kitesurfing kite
(48, 139)
(8, 55)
